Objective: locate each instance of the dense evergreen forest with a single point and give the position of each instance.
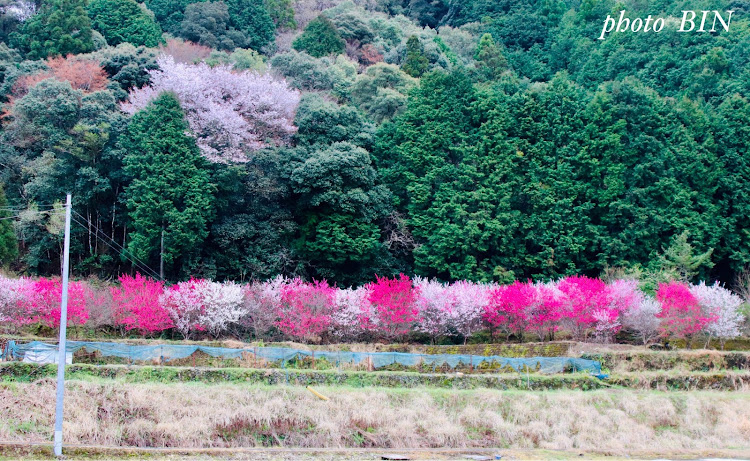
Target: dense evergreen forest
(487, 140)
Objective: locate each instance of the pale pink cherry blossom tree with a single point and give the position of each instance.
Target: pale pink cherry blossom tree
(435, 304)
(722, 306)
(223, 305)
(184, 302)
(230, 113)
(351, 316)
(644, 319)
(261, 303)
(14, 300)
(468, 301)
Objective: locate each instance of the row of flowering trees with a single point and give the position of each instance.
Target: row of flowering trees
(388, 308)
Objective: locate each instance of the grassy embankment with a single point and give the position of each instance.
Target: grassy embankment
(198, 415)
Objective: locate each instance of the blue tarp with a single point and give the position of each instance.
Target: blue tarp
(169, 352)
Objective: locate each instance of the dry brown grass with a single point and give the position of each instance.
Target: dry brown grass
(187, 415)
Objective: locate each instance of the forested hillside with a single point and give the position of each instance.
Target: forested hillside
(486, 140)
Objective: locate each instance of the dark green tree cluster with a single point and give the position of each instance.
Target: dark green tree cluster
(320, 38)
(124, 21)
(61, 27)
(514, 181)
(481, 139)
(224, 24)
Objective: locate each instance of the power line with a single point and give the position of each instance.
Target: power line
(18, 216)
(117, 247)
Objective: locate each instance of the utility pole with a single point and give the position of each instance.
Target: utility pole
(61, 355)
(161, 255)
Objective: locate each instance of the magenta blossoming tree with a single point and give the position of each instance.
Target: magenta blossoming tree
(582, 297)
(545, 313)
(136, 305)
(229, 112)
(680, 315)
(45, 299)
(305, 309)
(395, 305)
(508, 307)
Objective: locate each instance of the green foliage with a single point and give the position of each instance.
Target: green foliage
(64, 140)
(8, 242)
(252, 19)
(381, 91)
(678, 259)
(320, 38)
(247, 23)
(490, 60)
(61, 27)
(169, 13)
(321, 122)
(444, 181)
(282, 13)
(247, 59)
(339, 204)
(127, 65)
(170, 189)
(250, 238)
(124, 21)
(208, 24)
(415, 63)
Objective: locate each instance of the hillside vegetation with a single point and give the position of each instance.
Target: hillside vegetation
(485, 140)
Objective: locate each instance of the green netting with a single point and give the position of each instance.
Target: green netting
(283, 355)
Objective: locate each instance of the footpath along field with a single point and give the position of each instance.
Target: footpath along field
(671, 403)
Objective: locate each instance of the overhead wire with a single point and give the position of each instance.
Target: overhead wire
(87, 224)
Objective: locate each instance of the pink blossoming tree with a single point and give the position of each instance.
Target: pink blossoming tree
(228, 112)
(680, 315)
(305, 309)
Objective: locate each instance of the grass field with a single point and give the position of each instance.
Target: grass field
(615, 422)
(675, 404)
